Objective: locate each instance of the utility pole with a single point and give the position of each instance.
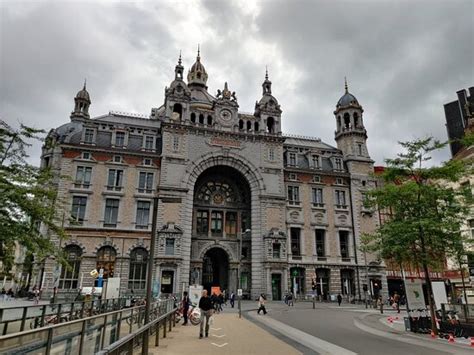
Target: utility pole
(149, 275)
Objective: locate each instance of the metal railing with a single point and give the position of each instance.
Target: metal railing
(127, 344)
(465, 312)
(83, 336)
(17, 319)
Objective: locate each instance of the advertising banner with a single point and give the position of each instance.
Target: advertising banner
(195, 293)
(439, 293)
(215, 290)
(414, 292)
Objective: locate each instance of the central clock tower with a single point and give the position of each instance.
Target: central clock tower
(226, 108)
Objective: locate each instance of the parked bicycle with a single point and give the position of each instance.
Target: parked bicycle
(194, 314)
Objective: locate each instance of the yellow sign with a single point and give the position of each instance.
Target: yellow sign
(94, 273)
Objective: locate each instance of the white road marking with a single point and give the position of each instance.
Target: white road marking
(321, 346)
(216, 328)
(219, 346)
(218, 336)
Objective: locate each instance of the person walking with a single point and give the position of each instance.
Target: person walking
(205, 305)
(232, 299)
(381, 304)
(185, 305)
(220, 302)
(261, 303)
(396, 300)
(339, 299)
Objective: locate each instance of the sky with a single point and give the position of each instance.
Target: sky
(403, 60)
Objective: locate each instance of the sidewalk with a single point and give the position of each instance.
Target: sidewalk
(228, 335)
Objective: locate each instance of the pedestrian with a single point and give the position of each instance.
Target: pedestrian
(290, 299)
(339, 299)
(396, 300)
(36, 292)
(205, 305)
(261, 304)
(10, 294)
(232, 299)
(381, 304)
(214, 302)
(185, 305)
(4, 294)
(220, 302)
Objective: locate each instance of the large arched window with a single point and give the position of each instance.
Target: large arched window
(249, 125)
(241, 124)
(347, 121)
(201, 118)
(356, 119)
(106, 257)
(70, 274)
(138, 267)
(270, 125)
(193, 117)
(209, 120)
(178, 108)
(256, 127)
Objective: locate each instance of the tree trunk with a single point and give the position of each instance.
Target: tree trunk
(434, 328)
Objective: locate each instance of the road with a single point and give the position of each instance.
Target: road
(333, 330)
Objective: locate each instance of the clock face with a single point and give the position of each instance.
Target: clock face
(225, 115)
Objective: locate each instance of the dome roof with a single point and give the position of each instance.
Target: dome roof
(197, 66)
(83, 94)
(347, 99)
(197, 74)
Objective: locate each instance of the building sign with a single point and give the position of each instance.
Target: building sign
(166, 279)
(414, 293)
(195, 293)
(225, 142)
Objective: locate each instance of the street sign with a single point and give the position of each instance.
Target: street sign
(94, 273)
(239, 292)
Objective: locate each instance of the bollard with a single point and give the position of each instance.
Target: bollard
(169, 323)
(157, 334)
(164, 328)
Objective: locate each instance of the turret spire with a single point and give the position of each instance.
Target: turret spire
(266, 72)
(345, 85)
(199, 53)
(179, 59)
(85, 82)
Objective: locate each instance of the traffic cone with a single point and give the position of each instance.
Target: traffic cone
(451, 338)
(390, 319)
(433, 335)
(472, 342)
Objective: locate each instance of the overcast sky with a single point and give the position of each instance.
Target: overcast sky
(403, 59)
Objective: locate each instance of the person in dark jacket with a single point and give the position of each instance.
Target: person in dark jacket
(339, 299)
(185, 304)
(206, 307)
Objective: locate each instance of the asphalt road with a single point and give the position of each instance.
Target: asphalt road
(336, 326)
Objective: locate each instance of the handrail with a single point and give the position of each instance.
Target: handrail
(119, 343)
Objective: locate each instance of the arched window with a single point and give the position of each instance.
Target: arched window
(193, 117)
(178, 108)
(249, 125)
(106, 257)
(270, 125)
(201, 118)
(241, 124)
(256, 126)
(138, 267)
(70, 273)
(209, 120)
(356, 119)
(347, 120)
(338, 122)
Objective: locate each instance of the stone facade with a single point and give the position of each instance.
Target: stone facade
(235, 196)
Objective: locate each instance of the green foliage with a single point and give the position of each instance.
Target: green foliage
(27, 197)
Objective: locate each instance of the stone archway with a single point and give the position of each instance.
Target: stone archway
(215, 269)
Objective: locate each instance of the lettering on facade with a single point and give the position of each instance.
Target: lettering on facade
(225, 142)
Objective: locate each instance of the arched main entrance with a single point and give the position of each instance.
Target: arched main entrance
(215, 269)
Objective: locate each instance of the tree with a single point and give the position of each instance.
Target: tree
(426, 211)
(27, 197)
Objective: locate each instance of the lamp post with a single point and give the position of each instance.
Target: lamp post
(239, 271)
(149, 276)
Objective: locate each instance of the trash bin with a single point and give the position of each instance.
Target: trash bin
(406, 320)
(333, 298)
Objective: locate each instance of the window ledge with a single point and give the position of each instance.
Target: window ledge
(80, 191)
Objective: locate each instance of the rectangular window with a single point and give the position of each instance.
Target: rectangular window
(111, 212)
(145, 182)
(86, 155)
(149, 142)
(276, 250)
(318, 197)
(202, 222)
(175, 144)
(359, 146)
(89, 135)
(338, 162)
(295, 241)
(216, 222)
(316, 178)
(231, 224)
(271, 154)
(114, 180)
(320, 242)
(83, 177)
(344, 244)
(119, 139)
(292, 159)
(341, 199)
(339, 181)
(169, 248)
(143, 214)
(293, 177)
(245, 252)
(78, 211)
(315, 161)
(244, 280)
(244, 222)
(293, 195)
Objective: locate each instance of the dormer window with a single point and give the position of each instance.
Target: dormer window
(86, 155)
(315, 161)
(339, 181)
(148, 142)
(293, 177)
(147, 162)
(119, 139)
(89, 135)
(316, 178)
(292, 159)
(117, 159)
(338, 163)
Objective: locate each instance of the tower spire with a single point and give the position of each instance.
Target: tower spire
(266, 72)
(199, 53)
(85, 83)
(179, 59)
(345, 85)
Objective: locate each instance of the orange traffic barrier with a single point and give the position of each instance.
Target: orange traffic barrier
(433, 335)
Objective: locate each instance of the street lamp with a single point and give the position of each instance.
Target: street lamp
(238, 272)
